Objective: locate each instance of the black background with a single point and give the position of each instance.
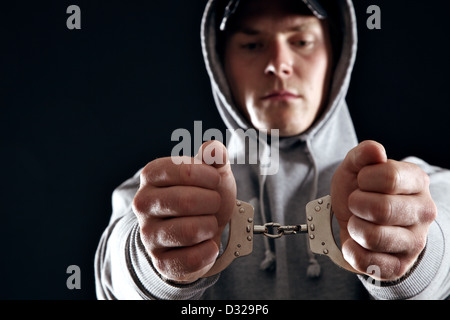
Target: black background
(83, 110)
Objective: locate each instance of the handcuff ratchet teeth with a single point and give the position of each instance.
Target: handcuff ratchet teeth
(318, 226)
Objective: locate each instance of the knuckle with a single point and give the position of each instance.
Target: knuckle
(185, 202)
(185, 173)
(377, 238)
(144, 204)
(384, 211)
(148, 172)
(189, 232)
(148, 236)
(429, 211)
(425, 178)
(155, 172)
(193, 232)
(392, 178)
(139, 204)
(374, 238)
(422, 178)
(368, 237)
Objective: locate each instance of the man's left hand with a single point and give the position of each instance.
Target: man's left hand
(384, 209)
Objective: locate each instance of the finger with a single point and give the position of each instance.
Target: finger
(215, 154)
(176, 201)
(384, 209)
(188, 263)
(377, 238)
(179, 232)
(363, 260)
(344, 180)
(393, 177)
(164, 172)
(366, 153)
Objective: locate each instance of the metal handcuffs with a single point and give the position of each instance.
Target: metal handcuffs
(318, 227)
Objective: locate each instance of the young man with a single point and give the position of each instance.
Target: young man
(281, 65)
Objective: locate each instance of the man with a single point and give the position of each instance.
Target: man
(281, 65)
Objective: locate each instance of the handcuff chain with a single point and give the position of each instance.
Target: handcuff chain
(280, 230)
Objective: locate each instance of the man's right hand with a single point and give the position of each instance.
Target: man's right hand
(182, 210)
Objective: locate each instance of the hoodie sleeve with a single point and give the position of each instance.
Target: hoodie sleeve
(430, 278)
(123, 269)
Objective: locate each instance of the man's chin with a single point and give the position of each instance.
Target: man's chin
(286, 126)
(283, 130)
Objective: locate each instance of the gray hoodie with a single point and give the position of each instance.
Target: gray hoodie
(283, 268)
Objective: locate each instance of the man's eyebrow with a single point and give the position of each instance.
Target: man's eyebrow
(295, 28)
(248, 31)
(302, 27)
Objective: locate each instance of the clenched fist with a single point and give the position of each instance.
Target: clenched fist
(182, 210)
(384, 209)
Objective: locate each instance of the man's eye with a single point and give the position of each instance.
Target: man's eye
(252, 46)
(302, 43)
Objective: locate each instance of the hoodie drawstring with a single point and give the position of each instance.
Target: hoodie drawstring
(313, 270)
(269, 262)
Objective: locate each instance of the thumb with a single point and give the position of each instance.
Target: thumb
(366, 153)
(215, 154)
(345, 179)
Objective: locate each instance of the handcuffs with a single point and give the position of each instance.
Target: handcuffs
(319, 216)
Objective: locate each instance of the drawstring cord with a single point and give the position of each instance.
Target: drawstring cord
(269, 262)
(313, 270)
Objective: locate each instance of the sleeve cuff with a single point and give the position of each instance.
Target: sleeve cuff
(418, 279)
(150, 283)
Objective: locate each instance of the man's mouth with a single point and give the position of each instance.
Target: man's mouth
(280, 95)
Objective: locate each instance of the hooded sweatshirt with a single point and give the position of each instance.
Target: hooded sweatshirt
(283, 268)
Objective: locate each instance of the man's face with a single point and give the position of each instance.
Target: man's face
(278, 65)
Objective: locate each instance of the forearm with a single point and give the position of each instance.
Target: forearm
(124, 270)
(430, 278)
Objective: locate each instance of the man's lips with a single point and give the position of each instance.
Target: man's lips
(281, 95)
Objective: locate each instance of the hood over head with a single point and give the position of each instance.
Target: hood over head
(313, 5)
(341, 16)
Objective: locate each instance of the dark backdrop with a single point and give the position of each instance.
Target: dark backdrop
(82, 110)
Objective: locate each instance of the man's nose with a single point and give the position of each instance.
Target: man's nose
(280, 62)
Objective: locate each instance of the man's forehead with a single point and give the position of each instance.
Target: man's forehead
(255, 8)
(291, 22)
